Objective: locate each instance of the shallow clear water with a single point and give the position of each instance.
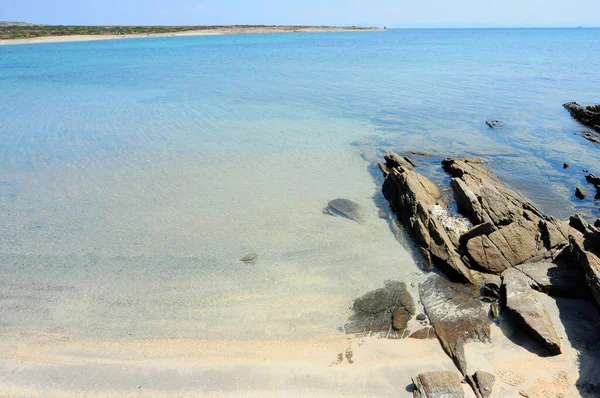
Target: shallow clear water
(135, 173)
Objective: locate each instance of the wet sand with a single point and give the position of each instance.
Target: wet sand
(204, 32)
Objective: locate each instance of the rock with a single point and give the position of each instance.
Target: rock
(590, 261)
(412, 196)
(481, 229)
(248, 258)
(427, 333)
(421, 317)
(558, 280)
(589, 116)
(595, 181)
(518, 242)
(527, 310)
(438, 384)
(484, 383)
(590, 136)
(457, 315)
(495, 311)
(486, 255)
(565, 165)
(492, 123)
(345, 208)
(382, 311)
(580, 193)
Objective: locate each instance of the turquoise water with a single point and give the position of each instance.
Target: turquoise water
(135, 173)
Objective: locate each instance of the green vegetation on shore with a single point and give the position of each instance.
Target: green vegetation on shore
(33, 31)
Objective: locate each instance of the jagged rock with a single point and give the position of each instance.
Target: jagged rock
(590, 261)
(580, 193)
(457, 315)
(565, 165)
(427, 333)
(486, 255)
(412, 196)
(484, 382)
(382, 311)
(438, 384)
(345, 208)
(595, 181)
(481, 229)
(589, 116)
(527, 310)
(557, 280)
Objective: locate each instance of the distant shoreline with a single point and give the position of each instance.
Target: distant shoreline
(221, 30)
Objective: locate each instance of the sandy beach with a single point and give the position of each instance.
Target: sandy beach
(204, 32)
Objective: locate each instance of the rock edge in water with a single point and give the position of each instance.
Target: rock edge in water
(589, 116)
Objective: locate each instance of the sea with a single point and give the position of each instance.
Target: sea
(136, 173)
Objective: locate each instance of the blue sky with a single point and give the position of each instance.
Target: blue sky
(400, 13)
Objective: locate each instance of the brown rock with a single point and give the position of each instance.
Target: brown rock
(438, 385)
(427, 333)
(457, 315)
(486, 255)
(527, 311)
(518, 242)
(558, 280)
(589, 116)
(484, 383)
(580, 193)
(589, 261)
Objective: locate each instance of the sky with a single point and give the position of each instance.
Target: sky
(391, 13)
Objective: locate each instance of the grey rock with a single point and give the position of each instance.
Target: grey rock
(345, 208)
(248, 258)
(438, 384)
(580, 193)
(484, 383)
(457, 315)
(565, 279)
(527, 311)
(492, 123)
(421, 317)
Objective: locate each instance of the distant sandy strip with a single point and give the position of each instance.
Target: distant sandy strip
(203, 32)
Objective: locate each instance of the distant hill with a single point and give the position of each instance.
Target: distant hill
(11, 23)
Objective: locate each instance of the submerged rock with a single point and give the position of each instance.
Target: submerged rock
(457, 315)
(589, 116)
(248, 258)
(580, 193)
(527, 310)
(438, 384)
(384, 311)
(492, 123)
(345, 208)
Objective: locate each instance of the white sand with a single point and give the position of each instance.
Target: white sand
(204, 32)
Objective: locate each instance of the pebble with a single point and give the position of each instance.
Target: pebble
(249, 257)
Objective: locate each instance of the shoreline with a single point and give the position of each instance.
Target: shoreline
(204, 32)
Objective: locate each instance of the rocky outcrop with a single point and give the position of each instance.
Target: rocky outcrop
(438, 385)
(508, 230)
(527, 310)
(384, 311)
(457, 315)
(413, 196)
(589, 116)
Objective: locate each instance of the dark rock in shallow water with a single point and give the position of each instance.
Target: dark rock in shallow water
(589, 116)
(438, 384)
(484, 382)
(565, 165)
(527, 311)
(345, 208)
(580, 193)
(457, 315)
(384, 311)
(248, 258)
(492, 123)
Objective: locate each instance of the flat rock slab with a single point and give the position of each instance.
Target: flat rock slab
(557, 280)
(457, 315)
(438, 385)
(527, 310)
(345, 208)
(384, 311)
